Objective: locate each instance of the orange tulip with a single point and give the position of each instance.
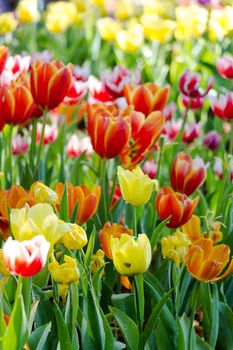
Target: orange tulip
(185, 177)
(146, 98)
(50, 83)
(205, 262)
(15, 197)
(3, 57)
(111, 230)
(145, 131)
(87, 199)
(109, 130)
(176, 205)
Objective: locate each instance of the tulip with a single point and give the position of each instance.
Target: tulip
(19, 145)
(50, 133)
(175, 247)
(206, 262)
(8, 23)
(174, 204)
(223, 106)
(189, 85)
(18, 64)
(169, 111)
(25, 258)
(109, 132)
(116, 80)
(185, 177)
(76, 238)
(50, 83)
(131, 256)
(157, 28)
(218, 168)
(192, 103)
(43, 194)
(146, 98)
(225, 66)
(150, 168)
(111, 230)
(66, 273)
(27, 11)
(212, 140)
(40, 219)
(136, 187)
(60, 16)
(76, 92)
(108, 27)
(171, 129)
(131, 38)
(97, 262)
(145, 131)
(3, 57)
(77, 145)
(220, 23)
(87, 199)
(191, 132)
(98, 92)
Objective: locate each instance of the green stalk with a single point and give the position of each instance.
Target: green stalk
(103, 188)
(33, 144)
(26, 291)
(231, 140)
(10, 154)
(41, 140)
(134, 219)
(139, 299)
(193, 307)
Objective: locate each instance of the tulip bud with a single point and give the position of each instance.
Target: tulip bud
(25, 258)
(136, 187)
(66, 273)
(212, 140)
(76, 238)
(175, 247)
(131, 256)
(43, 194)
(97, 262)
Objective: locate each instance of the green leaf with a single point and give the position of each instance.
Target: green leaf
(64, 211)
(157, 232)
(215, 318)
(225, 339)
(63, 334)
(90, 248)
(128, 327)
(16, 332)
(151, 323)
(74, 214)
(38, 337)
(71, 310)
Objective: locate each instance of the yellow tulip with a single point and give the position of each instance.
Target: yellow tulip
(60, 16)
(131, 38)
(175, 247)
(66, 273)
(76, 238)
(131, 256)
(43, 194)
(124, 9)
(27, 223)
(220, 23)
(27, 11)
(163, 8)
(108, 27)
(191, 22)
(136, 187)
(157, 28)
(97, 261)
(7, 23)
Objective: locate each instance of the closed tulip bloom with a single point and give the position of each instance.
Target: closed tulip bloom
(185, 176)
(3, 57)
(175, 247)
(76, 238)
(19, 145)
(97, 262)
(111, 230)
(27, 11)
(65, 273)
(108, 27)
(25, 258)
(223, 106)
(225, 66)
(50, 83)
(87, 199)
(39, 219)
(176, 205)
(192, 228)
(109, 131)
(146, 98)
(212, 140)
(191, 132)
(8, 23)
(131, 256)
(206, 262)
(43, 194)
(136, 187)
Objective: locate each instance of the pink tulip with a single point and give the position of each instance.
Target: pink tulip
(225, 66)
(19, 145)
(50, 134)
(25, 258)
(223, 106)
(77, 145)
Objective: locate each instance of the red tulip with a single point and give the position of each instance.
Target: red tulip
(146, 98)
(189, 85)
(225, 66)
(185, 176)
(191, 132)
(3, 57)
(25, 258)
(50, 83)
(176, 205)
(223, 106)
(109, 130)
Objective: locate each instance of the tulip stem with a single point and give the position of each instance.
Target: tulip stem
(10, 154)
(134, 212)
(193, 311)
(41, 140)
(231, 140)
(139, 299)
(103, 189)
(33, 144)
(26, 291)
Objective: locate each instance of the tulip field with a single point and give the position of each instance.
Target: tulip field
(116, 175)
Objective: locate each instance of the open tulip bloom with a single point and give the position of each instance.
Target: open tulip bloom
(116, 175)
